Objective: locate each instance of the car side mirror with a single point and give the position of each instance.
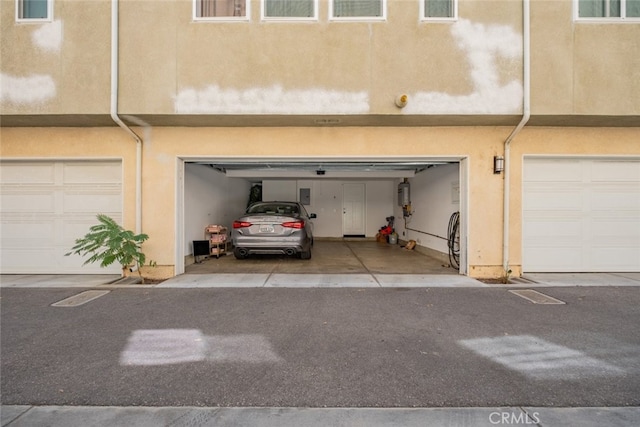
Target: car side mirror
(312, 216)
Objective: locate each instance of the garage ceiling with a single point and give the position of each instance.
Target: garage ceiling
(323, 169)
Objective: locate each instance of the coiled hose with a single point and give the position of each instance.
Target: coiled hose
(453, 240)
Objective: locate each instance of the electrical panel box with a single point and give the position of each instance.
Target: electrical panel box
(404, 197)
(305, 196)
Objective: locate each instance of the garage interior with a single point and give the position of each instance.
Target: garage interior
(352, 199)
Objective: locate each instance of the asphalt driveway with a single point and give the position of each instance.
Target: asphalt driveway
(349, 347)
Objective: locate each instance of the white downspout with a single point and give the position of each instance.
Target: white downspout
(114, 112)
(526, 114)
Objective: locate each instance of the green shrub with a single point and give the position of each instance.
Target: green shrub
(108, 242)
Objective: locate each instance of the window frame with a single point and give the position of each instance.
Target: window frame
(48, 18)
(438, 18)
(358, 18)
(263, 9)
(245, 18)
(604, 19)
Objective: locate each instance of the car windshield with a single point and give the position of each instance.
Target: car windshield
(274, 209)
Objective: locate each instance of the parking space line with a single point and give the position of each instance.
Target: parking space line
(80, 299)
(536, 297)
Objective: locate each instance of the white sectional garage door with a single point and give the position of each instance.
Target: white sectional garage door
(581, 215)
(46, 205)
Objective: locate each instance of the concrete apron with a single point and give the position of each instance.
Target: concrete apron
(56, 280)
(256, 280)
(336, 256)
(335, 263)
(283, 280)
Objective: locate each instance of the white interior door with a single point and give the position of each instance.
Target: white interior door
(353, 209)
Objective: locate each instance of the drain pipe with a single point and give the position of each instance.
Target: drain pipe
(114, 112)
(526, 114)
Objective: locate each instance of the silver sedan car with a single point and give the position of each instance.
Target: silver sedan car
(273, 228)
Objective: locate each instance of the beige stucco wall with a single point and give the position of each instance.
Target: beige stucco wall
(364, 63)
(170, 65)
(63, 66)
(57, 67)
(580, 67)
(164, 146)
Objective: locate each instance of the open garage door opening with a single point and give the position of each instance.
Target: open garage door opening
(356, 204)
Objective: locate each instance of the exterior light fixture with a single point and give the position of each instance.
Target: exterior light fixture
(498, 164)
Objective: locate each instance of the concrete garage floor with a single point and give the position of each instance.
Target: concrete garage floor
(331, 256)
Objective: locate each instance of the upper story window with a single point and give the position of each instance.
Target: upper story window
(289, 9)
(438, 9)
(204, 10)
(608, 9)
(358, 9)
(34, 10)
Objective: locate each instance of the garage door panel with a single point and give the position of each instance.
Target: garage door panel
(32, 259)
(616, 230)
(74, 228)
(54, 204)
(16, 230)
(50, 260)
(594, 224)
(73, 264)
(29, 201)
(547, 199)
(39, 173)
(556, 259)
(619, 199)
(543, 230)
(567, 170)
(615, 171)
(104, 201)
(621, 258)
(92, 172)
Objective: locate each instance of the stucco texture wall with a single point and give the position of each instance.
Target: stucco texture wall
(323, 66)
(578, 67)
(56, 67)
(164, 146)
